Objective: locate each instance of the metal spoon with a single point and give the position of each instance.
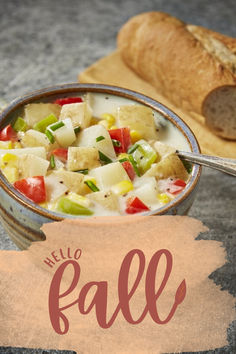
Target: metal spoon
(218, 163)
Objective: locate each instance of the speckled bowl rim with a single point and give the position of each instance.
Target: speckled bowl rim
(66, 90)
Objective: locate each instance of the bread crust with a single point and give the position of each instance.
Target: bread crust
(161, 50)
(229, 42)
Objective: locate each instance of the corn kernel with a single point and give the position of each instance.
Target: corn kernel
(5, 145)
(113, 127)
(79, 199)
(17, 145)
(135, 136)
(11, 173)
(9, 159)
(44, 205)
(122, 187)
(109, 118)
(163, 198)
(104, 123)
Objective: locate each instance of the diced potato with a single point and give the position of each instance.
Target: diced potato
(104, 123)
(58, 163)
(138, 118)
(6, 145)
(108, 175)
(163, 150)
(106, 198)
(34, 138)
(16, 145)
(54, 189)
(30, 166)
(170, 166)
(80, 158)
(152, 171)
(88, 138)
(11, 173)
(147, 191)
(79, 113)
(36, 151)
(65, 135)
(73, 181)
(34, 112)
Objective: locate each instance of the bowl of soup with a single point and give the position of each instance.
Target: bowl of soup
(90, 150)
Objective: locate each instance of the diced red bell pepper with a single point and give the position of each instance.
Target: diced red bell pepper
(123, 136)
(176, 186)
(135, 205)
(33, 188)
(68, 100)
(180, 182)
(8, 133)
(61, 153)
(129, 169)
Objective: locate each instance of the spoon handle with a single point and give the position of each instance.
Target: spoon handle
(218, 163)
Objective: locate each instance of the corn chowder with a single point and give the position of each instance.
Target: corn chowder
(94, 155)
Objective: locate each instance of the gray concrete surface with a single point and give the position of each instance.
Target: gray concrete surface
(49, 42)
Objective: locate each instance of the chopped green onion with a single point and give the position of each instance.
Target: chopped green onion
(67, 206)
(77, 129)
(92, 186)
(104, 158)
(123, 160)
(20, 125)
(188, 166)
(50, 136)
(85, 171)
(134, 164)
(42, 125)
(99, 138)
(116, 142)
(52, 161)
(144, 156)
(57, 126)
(133, 148)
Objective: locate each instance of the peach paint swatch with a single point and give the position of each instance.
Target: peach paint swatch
(200, 320)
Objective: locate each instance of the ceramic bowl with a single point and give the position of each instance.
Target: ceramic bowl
(22, 218)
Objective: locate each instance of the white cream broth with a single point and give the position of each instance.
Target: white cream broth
(168, 132)
(147, 187)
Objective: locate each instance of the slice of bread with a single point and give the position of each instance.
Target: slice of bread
(219, 109)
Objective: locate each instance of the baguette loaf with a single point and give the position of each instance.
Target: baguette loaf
(192, 66)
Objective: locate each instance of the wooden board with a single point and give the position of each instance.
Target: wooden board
(112, 70)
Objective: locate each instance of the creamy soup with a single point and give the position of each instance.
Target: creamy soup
(96, 154)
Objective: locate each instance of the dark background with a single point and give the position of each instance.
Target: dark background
(44, 43)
